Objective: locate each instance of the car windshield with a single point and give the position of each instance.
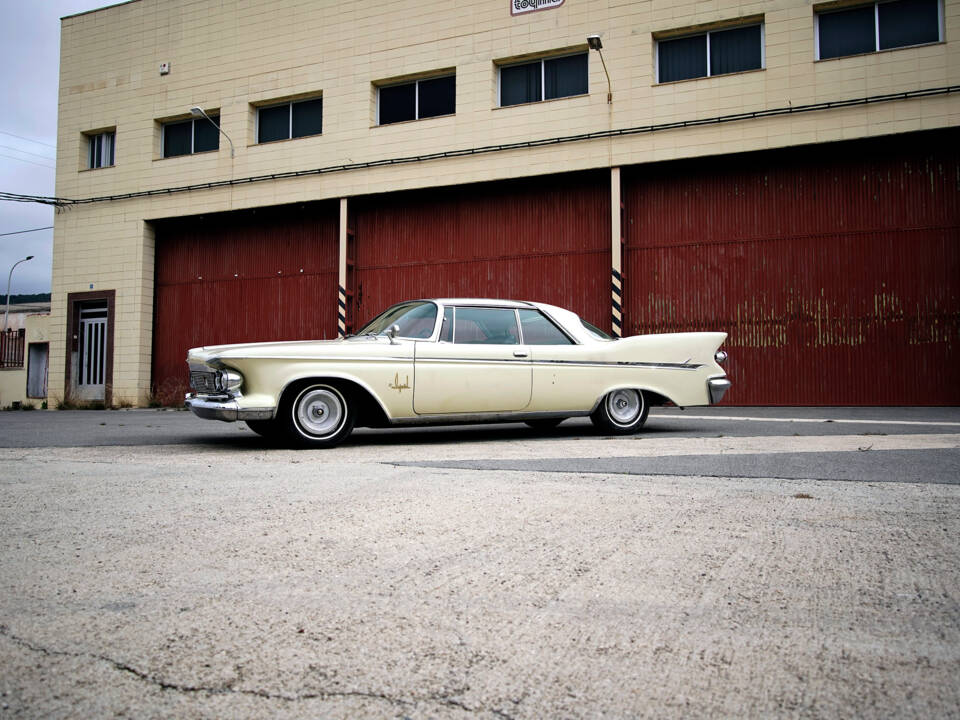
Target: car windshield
(415, 319)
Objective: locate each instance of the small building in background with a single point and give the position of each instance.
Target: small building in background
(24, 353)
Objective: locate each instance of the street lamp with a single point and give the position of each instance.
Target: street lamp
(198, 111)
(10, 275)
(594, 43)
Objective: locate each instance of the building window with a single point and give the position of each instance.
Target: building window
(545, 79)
(100, 149)
(880, 26)
(417, 100)
(715, 52)
(300, 118)
(191, 136)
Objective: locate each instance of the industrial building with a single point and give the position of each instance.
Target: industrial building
(246, 170)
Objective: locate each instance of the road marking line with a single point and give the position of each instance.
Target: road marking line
(806, 420)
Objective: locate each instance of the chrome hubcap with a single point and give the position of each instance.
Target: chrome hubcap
(624, 406)
(319, 411)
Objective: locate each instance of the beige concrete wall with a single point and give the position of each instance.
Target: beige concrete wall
(230, 55)
(13, 382)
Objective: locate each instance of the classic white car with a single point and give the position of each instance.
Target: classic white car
(455, 361)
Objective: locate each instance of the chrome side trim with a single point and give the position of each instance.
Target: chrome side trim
(216, 407)
(478, 418)
(717, 386)
(566, 363)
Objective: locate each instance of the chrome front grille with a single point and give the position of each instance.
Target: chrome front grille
(204, 382)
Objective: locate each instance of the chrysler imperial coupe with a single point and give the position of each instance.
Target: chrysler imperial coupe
(455, 361)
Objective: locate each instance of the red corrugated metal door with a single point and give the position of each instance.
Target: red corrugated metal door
(545, 239)
(835, 269)
(247, 276)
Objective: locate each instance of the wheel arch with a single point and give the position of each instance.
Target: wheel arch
(370, 411)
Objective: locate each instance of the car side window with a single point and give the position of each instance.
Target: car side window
(485, 326)
(446, 329)
(540, 330)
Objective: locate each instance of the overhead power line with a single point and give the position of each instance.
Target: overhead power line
(524, 144)
(21, 137)
(32, 162)
(25, 152)
(21, 232)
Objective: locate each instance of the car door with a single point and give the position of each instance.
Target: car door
(566, 375)
(477, 366)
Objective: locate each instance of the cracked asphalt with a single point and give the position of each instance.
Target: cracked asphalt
(788, 562)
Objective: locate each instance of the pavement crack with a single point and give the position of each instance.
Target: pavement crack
(195, 689)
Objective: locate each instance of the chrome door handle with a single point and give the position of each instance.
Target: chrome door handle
(519, 353)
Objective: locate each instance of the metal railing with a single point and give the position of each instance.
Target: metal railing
(11, 348)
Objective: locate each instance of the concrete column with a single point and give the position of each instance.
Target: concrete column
(342, 285)
(616, 252)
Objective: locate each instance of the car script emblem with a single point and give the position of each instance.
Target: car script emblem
(395, 385)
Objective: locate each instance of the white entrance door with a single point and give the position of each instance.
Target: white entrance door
(92, 355)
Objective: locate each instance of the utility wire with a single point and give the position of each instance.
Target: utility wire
(21, 137)
(600, 134)
(32, 162)
(21, 232)
(25, 152)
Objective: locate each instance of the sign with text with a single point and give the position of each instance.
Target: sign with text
(520, 7)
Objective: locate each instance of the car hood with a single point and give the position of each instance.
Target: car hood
(212, 354)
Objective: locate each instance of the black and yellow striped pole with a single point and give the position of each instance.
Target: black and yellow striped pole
(616, 256)
(342, 296)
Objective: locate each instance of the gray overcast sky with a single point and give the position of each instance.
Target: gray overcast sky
(29, 71)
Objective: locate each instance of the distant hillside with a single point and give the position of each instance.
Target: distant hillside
(21, 299)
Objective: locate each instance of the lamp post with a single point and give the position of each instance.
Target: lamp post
(594, 43)
(6, 315)
(198, 111)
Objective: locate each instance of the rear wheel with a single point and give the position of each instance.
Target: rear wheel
(621, 412)
(317, 415)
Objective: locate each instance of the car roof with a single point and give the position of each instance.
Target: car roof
(484, 302)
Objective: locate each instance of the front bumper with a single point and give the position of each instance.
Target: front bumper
(225, 408)
(717, 387)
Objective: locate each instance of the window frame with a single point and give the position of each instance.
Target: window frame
(416, 96)
(761, 23)
(543, 80)
(289, 104)
(193, 135)
(93, 139)
(876, 28)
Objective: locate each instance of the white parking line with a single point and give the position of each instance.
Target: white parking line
(807, 420)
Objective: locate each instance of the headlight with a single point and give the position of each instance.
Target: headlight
(229, 381)
(720, 356)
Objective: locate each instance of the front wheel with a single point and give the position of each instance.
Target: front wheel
(268, 429)
(317, 416)
(621, 412)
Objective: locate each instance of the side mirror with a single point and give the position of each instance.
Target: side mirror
(392, 333)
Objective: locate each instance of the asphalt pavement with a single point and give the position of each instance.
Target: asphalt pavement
(725, 562)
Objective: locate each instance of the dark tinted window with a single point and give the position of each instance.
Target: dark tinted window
(206, 136)
(398, 103)
(565, 76)
(682, 59)
(438, 96)
(735, 50)
(848, 32)
(308, 118)
(908, 22)
(539, 330)
(273, 123)
(520, 83)
(178, 138)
